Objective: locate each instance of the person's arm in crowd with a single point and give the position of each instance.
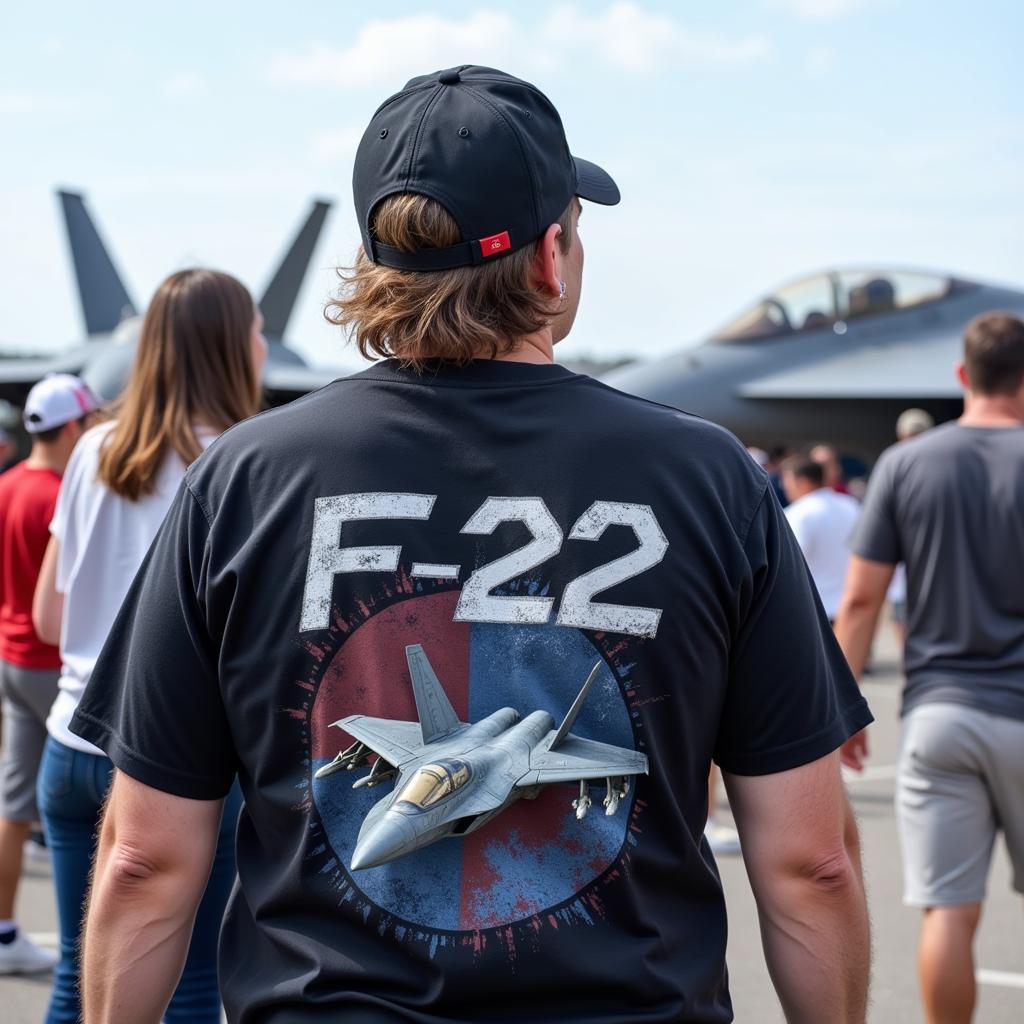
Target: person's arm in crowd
(153, 862)
(802, 855)
(48, 602)
(867, 583)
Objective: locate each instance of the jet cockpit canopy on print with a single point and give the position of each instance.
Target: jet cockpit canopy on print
(833, 298)
(433, 782)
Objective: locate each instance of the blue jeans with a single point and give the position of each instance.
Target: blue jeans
(72, 790)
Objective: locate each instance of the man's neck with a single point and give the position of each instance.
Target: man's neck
(46, 457)
(534, 348)
(992, 411)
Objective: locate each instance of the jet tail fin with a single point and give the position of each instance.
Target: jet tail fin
(573, 713)
(104, 298)
(437, 716)
(279, 297)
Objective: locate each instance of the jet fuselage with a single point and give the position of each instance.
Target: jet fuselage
(843, 378)
(483, 761)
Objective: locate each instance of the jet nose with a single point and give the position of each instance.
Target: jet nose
(383, 841)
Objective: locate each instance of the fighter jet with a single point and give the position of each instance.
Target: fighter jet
(835, 356)
(452, 777)
(112, 320)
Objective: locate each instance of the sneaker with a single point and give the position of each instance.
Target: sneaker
(22, 956)
(723, 841)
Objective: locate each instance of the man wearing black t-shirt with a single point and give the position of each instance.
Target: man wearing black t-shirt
(412, 572)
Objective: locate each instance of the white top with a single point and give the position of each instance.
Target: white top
(897, 592)
(103, 540)
(822, 522)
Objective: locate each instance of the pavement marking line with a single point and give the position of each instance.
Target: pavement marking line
(1005, 978)
(873, 773)
(51, 939)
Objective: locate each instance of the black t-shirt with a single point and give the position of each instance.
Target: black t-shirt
(522, 524)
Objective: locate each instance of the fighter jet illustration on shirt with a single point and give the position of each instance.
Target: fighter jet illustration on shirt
(452, 777)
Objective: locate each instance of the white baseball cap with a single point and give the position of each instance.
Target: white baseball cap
(58, 399)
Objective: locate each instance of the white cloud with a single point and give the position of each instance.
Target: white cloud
(822, 10)
(386, 48)
(184, 86)
(624, 36)
(632, 39)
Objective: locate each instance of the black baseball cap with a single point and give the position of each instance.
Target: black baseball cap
(489, 148)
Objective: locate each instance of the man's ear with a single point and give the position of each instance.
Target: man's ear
(545, 261)
(961, 375)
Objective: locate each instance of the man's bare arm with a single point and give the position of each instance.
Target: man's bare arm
(864, 593)
(153, 862)
(802, 854)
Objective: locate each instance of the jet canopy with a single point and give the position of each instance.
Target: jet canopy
(433, 782)
(830, 299)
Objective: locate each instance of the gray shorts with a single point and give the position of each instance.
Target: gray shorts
(960, 781)
(27, 696)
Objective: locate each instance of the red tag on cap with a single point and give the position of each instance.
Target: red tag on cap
(494, 244)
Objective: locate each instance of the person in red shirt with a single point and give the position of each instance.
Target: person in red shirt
(57, 411)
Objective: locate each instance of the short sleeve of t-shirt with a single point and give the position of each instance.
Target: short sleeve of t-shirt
(77, 503)
(153, 703)
(62, 524)
(876, 537)
(790, 698)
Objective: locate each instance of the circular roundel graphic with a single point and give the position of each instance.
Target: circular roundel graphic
(534, 854)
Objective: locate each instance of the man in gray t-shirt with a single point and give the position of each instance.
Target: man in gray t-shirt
(949, 504)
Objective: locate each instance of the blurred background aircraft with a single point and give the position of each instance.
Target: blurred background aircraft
(837, 355)
(112, 320)
(749, 141)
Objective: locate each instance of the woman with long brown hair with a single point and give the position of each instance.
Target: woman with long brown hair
(196, 372)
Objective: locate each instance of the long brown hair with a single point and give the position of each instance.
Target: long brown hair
(454, 315)
(193, 365)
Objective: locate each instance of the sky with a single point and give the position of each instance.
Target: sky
(753, 142)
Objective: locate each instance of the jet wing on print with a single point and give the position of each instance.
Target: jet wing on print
(394, 743)
(562, 757)
(577, 759)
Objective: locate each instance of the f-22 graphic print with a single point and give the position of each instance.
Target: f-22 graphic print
(508, 651)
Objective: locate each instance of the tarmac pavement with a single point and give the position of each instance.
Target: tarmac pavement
(894, 986)
(894, 992)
